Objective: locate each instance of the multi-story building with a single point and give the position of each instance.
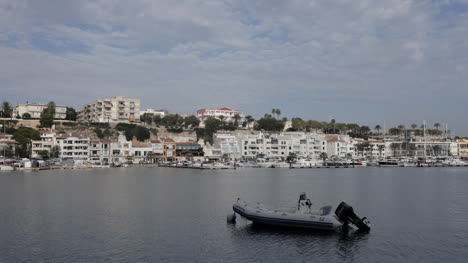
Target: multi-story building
(375, 149)
(35, 110)
(75, 147)
(463, 149)
(116, 109)
(7, 145)
(227, 144)
(100, 151)
(46, 142)
(281, 145)
(224, 113)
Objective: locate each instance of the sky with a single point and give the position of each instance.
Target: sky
(363, 61)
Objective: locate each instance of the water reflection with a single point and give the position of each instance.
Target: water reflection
(306, 242)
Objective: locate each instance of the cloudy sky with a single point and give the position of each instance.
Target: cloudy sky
(364, 61)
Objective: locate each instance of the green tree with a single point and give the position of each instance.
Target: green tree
(236, 118)
(395, 146)
(381, 148)
(141, 133)
(298, 124)
(47, 115)
(212, 125)
(44, 154)
(436, 149)
(249, 119)
(377, 128)
(24, 135)
(192, 121)
(146, 118)
(437, 125)
(268, 123)
(99, 132)
(291, 157)
(414, 126)
(323, 156)
(71, 114)
(7, 110)
(55, 151)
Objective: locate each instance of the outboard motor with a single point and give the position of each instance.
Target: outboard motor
(346, 214)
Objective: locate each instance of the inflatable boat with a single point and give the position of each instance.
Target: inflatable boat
(304, 216)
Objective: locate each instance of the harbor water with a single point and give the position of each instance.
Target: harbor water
(146, 214)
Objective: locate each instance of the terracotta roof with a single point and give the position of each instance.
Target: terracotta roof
(167, 140)
(155, 141)
(224, 108)
(334, 140)
(8, 141)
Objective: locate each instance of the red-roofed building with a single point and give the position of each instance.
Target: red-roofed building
(223, 113)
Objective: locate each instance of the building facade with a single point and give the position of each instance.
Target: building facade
(224, 113)
(35, 110)
(116, 109)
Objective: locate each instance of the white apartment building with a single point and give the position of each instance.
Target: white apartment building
(100, 151)
(281, 145)
(123, 151)
(153, 112)
(74, 147)
(224, 113)
(227, 144)
(46, 142)
(116, 109)
(35, 110)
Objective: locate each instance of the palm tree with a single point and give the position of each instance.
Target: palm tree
(414, 126)
(236, 118)
(249, 119)
(394, 146)
(278, 113)
(7, 110)
(437, 125)
(323, 156)
(377, 128)
(381, 147)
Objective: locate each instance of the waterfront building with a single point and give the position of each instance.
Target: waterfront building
(169, 149)
(463, 149)
(35, 110)
(376, 149)
(73, 146)
(224, 113)
(45, 143)
(188, 150)
(100, 151)
(226, 144)
(7, 143)
(281, 145)
(339, 146)
(116, 109)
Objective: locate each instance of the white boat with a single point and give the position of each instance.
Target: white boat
(7, 168)
(303, 217)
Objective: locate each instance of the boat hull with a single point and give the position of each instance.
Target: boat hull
(266, 217)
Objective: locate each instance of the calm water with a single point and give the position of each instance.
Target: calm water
(179, 215)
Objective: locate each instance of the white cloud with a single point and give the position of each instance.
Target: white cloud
(182, 55)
